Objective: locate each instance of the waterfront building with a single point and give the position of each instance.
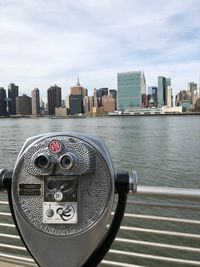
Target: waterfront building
(60, 111)
(197, 105)
(175, 110)
(35, 101)
(78, 89)
(77, 94)
(101, 92)
(113, 93)
(2, 102)
(95, 104)
(13, 92)
(96, 101)
(169, 97)
(163, 83)
(54, 99)
(161, 89)
(131, 90)
(23, 105)
(42, 106)
(67, 104)
(86, 104)
(186, 105)
(91, 103)
(183, 95)
(152, 96)
(76, 104)
(192, 88)
(194, 98)
(109, 103)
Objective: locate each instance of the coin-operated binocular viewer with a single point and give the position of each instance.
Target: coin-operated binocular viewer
(61, 195)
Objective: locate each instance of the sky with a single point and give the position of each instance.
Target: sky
(47, 42)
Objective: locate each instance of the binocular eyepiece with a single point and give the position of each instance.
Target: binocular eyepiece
(67, 161)
(44, 161)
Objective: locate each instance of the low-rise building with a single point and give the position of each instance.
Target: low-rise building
(61, 112)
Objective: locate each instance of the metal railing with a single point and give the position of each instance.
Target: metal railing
(161, 227)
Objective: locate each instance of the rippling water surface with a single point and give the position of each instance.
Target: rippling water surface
(164, 150)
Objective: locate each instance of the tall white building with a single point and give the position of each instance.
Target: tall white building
(169, 97)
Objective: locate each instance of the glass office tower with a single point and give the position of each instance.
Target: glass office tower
(13, 92)
(163, 84)
(54, 99)
(2, 102)
(131, 90)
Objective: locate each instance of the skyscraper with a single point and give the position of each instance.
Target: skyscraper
(35, 101)
(2, 101)
(153, 96)
(78, 89)
(131, 90)
(76, 103)
(163, 83)
(169, 102)
(54, 99)
(13, 92)
(192, 88)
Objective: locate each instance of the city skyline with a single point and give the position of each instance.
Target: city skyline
(130, 97)
(66, 91)
(45, 43)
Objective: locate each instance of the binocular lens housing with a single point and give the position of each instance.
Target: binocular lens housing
(42, 161)
(67, 161)
(63, 192)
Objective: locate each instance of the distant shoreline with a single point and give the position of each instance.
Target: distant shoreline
(101, 116)
(158, 114)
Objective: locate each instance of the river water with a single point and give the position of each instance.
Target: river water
(163, 150)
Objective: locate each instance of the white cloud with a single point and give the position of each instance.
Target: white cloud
(46, 42)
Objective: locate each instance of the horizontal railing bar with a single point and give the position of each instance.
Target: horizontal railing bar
(7, 225)
(5, 214)
(145, 203)
(4, 203)
(169, 192)
(154, 257)
(26, 259)
(12, 247)
(161, 218)
(155, 244)
(162, 232)
(163, 205)
(9, 236)
(121, 264)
